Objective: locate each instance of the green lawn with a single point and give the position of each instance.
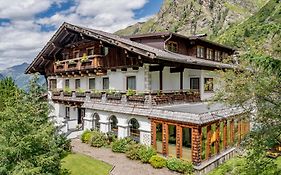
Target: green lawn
(80, 164)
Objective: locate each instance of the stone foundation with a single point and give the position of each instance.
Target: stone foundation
(212, 163)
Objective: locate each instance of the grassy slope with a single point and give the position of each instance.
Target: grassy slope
(261, 33)
(81, 164)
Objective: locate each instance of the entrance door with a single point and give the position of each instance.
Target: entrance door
(81, 114)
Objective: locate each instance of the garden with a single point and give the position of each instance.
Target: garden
(135, 151)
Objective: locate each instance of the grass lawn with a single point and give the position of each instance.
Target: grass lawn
(80, 164)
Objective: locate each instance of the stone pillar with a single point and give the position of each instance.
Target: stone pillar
(208, 143)
(179, 141)
(225, 138)
(88, 120)
(123, 131)
(196, 145)
(104, 126)
(147, 78)
(165, 139)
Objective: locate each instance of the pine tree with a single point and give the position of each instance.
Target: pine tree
(29, 143)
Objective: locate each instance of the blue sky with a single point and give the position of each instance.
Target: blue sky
(26, 25)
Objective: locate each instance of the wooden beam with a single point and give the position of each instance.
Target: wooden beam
(217, 142)
(176, 69)
(179, 141)
(181, 80)
(225, 138)
(156, 68)
(161, 80)
(232, 131)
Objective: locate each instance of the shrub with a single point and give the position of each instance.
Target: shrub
(145, 153)
(120, 146)
(157, 161)
(179, 165)
(132, 151)
(98, 139)
(86, 136)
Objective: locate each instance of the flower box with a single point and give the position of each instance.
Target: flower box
(67, 94)
(96, 95)
(114, 96)
(80, 94)
(56, 93)
(136, 98)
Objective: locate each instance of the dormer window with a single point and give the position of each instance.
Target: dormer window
(200, 52)
(210, 53)
(172, 46)
(90, 51)
(76, 54)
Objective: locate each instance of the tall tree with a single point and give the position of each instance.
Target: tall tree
(29, 143)
(256, 87)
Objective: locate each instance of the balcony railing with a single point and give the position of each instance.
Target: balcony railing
(147, 98)
(77, 64)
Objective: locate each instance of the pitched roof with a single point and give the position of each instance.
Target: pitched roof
(116, 40)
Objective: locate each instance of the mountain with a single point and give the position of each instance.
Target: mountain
(1, 76)
(261, 33)
(17, 73)
(190, 17)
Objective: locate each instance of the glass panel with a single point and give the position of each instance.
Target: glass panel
(159, 132)
(92, 83)
(172, 140)
(53, 84)
(186, 143)
(97, 121)
(67, 114)
(77, 83)
(131, 82)
(113, 125)
(208, 84)
(194, 83)
(221, 136)
(90, 51)
(204, 141)
(66, 83)
(213, 139)
(134, 130)
(105, 83)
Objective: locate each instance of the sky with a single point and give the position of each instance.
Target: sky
(27, 25)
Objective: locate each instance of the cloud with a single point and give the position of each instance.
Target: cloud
(22, 37)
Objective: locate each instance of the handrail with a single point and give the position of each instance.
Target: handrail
(78, 59)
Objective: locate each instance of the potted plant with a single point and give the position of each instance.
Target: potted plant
(96, 94)
(56, 92)
(80, 93)
(67, 92)
(112, 94)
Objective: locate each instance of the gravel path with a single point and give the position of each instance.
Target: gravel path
(122, 165)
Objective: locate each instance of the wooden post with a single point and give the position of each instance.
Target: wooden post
(165, 139)
(225, 138)
(232, 131)
(208, 143)
(153, 135)
(181, 80)
(196, 145)
(217, 142)
(179, 141)
(239, 131)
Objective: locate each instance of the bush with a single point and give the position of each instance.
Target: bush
(145, 153)
(98, 139)
(132, 151)
(179, 165)
(157, 161)
(121, 145)
(86, 136)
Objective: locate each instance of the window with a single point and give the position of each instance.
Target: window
(53, 84)
(208, 84)
(66, 84)
(77, 83)
(65, 56)
(131, 82)
(90, 51)
(172, 46)
(92, 83)
(210, 53)
(76, 54)
(194, 83)
(67, 113)
(217, 55)
(105, 83)
(200, 52)
(104, 51)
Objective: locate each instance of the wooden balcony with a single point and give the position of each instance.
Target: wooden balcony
(79, 64)
(148, 98)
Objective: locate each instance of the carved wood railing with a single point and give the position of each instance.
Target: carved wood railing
(76, 64)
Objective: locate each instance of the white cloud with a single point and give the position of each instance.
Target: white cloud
(22, 38)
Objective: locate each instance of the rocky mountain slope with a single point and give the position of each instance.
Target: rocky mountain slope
(1, 76)
(17, 73)
(197, 16)
(260, 34)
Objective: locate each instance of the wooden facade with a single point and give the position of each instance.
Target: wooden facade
(206, 140)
